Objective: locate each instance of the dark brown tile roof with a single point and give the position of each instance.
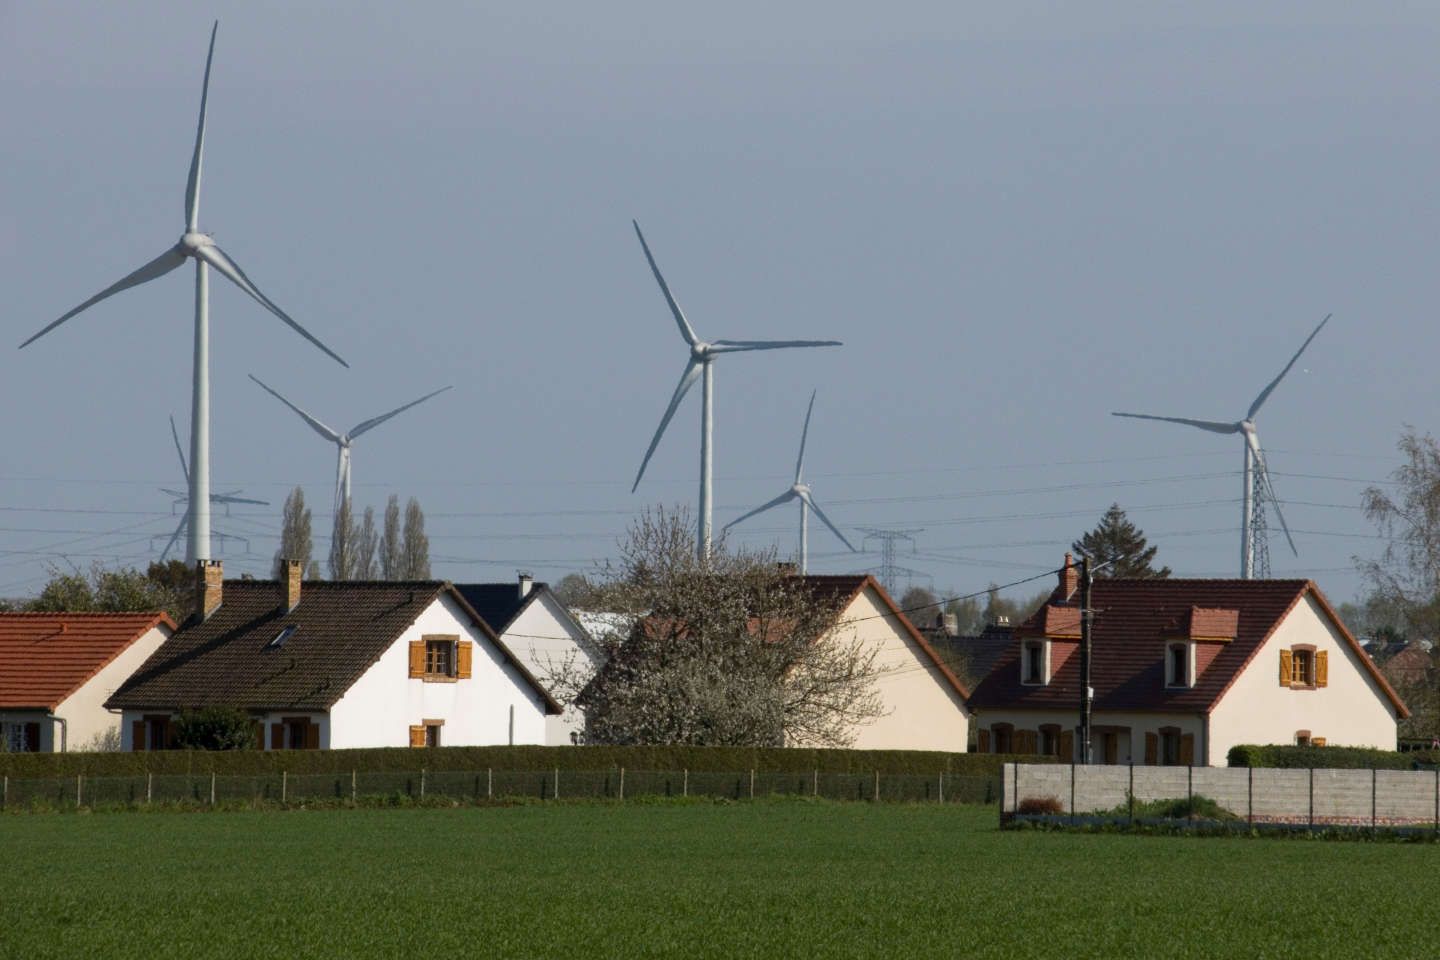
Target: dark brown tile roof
(1128, 666)
(341, 629)
(45, 657)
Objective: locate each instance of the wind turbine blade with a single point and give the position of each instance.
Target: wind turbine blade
(192, 185)
(810, 502)
(230, 498)
(179, 451)
(685, 329)
(316, 425)
(177, 494)
(184, 520)
(1214, 426)
(800, 461)
(1265, 394)
(785, 497)
(1259, 457)
(158, 267)
(376, 421)
(221, 261)
(687, 380)
(737, 346)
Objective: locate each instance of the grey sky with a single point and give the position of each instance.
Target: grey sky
(1018, 218)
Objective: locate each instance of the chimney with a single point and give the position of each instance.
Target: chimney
(294, 571)
(526, 582)
(1069, 578)
(209, 582)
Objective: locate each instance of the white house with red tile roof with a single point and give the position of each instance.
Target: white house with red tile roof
(1183, 670)
(57, 670)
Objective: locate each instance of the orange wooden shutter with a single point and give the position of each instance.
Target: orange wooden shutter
(1317, 741)
(312, 736)
(417, 658)
(417, 735)
(1152, 749)
(277, 736)
(1067, 746)
(1322, 667)
(1187, 750)
(137, 735)
(982, 741)
(1285, 668)
(463, 651)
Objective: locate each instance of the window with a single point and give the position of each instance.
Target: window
(1302, 738)
(426, 733)
(439, 658)
(1301, 662)
(1003, 737)
(1177, 665)
(295, 733)
(1170, 747)
(1049, 740)
(20, 737)
(1032, 662)
(1302, 667)
(432, 734)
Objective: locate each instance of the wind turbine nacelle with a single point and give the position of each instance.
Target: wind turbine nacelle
(194, 240)
(699, 350)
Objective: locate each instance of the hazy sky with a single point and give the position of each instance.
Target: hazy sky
(1019, 217)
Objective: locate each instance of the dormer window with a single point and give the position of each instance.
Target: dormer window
(1177, 665)
(1033, 668)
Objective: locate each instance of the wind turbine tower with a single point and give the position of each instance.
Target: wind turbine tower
(800, 491)
(200, 247)
(1256, 487)
(224, 499)
(701, 366)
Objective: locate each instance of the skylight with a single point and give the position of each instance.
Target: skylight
(281, 637)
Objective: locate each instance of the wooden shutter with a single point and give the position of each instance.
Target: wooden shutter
(1285, 658)
(417, 735)
(1322, 667)
(982, 741)
(464, 651)
(1029, 741)
(1187, 750)
(312, 736)
(1317, 741)
(417, 658)
(32, 737)
(1067, 746)
(137, 735)
(277, 736)
(1152, 749)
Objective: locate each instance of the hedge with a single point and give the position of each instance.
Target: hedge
(1334, 758)
(709, 759)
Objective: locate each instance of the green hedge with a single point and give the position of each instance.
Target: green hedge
(1335, 758)
(718, 759)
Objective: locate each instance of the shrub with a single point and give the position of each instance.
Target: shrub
(1195, 807)
(1041, 806)
(214, 728)
(1288, 756)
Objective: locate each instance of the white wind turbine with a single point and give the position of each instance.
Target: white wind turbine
(343, 441)
(701, 365)
(224, 499)
(800, 490)
(1257, 486)
(197, 246)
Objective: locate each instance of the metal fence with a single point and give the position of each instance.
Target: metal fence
(479, 786)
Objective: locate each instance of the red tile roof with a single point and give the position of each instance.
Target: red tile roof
(1128, 666)
(45, 657)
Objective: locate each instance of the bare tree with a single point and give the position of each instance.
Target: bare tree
(365, 543)
(732, 650)
(392, 555)
(342, 543)
(415, 546)
(1406, 575)
(295, 538)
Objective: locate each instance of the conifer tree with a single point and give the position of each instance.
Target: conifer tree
(1117, 548)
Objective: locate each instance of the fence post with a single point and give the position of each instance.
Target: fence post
(1250, 796)
(1437, 799)
(5, 794)
(1312, 798)
(752, 783)
(622, 783)
(1190, 791)
(1130, 794)
(685, 783)
(284, 785)
(942, 789)
(149, 782)
(815, 782)
(354, 792)
(557, 784)
(1072, 793)
(212, 788)
(1374, 777)
(422, 783)
(877, 786)
(489, 783)
(79, 789)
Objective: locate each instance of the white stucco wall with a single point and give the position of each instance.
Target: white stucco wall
(379, 708)
(548, 642)
(1129, 748)
(1351, 710)
(922, 710)
(84, 710)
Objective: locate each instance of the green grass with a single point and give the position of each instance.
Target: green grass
(698, 879)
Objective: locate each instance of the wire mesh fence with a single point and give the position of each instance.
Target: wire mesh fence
(489, 785)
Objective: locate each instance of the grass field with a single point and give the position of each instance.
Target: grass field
(782, 879)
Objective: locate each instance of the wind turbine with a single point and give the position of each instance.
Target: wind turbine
(200, 247)
(343, 441)
(1256, 476)
(183, 497)
(800, 490)
(701, 365)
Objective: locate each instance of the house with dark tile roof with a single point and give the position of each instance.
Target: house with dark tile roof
(57, 669)
(1181, 671)
(322, 664)
(544, 634)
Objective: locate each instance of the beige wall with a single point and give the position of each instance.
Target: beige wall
(1131, 746)
(922, 710)
(1351, 710)
(84, 710)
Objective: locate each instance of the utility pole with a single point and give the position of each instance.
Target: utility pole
(1087, 692)
(889, 570)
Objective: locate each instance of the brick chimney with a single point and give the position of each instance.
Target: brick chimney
(294, 572)
(526, 582)
(1069, 578)
(209, 583)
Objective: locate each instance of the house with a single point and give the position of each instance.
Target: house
(321, 664)
(1405, 663)
(56, 669)
(546, 637)
(1183, 670)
